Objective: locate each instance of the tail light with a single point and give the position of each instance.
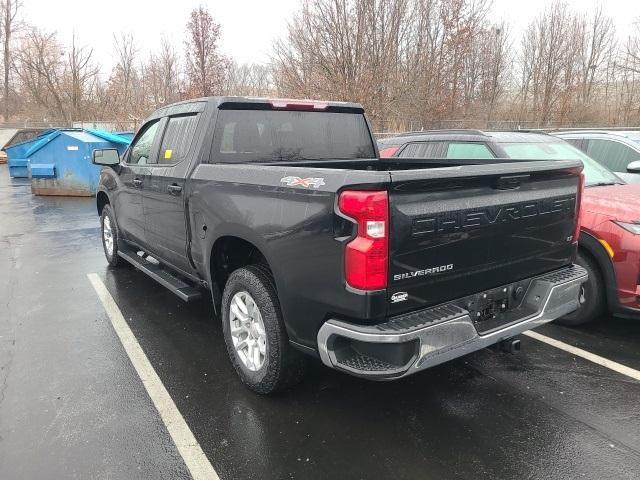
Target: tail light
(388, 152)
(366, 256)
(576, 232)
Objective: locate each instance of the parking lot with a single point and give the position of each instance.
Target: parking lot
(72, 405)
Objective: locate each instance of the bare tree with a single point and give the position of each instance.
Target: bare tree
(9, 10)
(597, 44)
(249, 79)
(82, 76)
(161, 76)
(492, 54)
(169, 63)
(632, 50)
(41, 70)
(413, 64)
(346, 50)
(566, 66)
(206, 66)
(125, 70)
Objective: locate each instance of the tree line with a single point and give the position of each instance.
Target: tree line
(413, 64)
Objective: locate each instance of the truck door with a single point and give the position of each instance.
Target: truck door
(163, 195)
(134, 169)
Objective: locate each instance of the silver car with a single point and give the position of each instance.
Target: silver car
(618, 150)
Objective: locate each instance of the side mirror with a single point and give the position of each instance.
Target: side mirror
(634, 167)
(107, 157)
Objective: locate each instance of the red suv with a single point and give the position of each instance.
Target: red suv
(609, 245)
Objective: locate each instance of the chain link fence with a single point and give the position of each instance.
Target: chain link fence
(111, 126)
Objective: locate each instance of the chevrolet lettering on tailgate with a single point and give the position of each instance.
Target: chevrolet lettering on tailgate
(470, 219)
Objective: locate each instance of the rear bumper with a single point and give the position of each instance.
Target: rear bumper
(420, 340)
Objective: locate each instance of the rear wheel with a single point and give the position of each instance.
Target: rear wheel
(110, 236)
(254, 332)
(592, 298)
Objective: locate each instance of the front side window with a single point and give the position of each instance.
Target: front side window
(613, 155)
(141, 147)
(247, 136)
(177, 139)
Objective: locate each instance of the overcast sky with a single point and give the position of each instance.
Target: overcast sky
(249, 27)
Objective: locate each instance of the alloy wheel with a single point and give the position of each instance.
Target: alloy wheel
(247, 331)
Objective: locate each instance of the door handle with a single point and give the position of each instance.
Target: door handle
(174, 189)
(137, 182)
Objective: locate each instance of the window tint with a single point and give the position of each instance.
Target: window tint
(468, 150)
(594, 173)
(244, 136)
(141, 148)
(177, 139)
(424, 150)
(613, 155)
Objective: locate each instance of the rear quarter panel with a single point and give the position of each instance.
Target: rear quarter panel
(292, 226)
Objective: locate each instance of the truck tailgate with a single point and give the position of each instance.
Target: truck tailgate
(456, 231)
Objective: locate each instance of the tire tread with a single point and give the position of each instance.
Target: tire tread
(287, 366)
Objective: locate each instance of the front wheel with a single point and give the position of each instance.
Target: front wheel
(254, 332)
(592, 299)
(110, 236)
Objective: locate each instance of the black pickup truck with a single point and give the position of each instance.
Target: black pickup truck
(311, 244)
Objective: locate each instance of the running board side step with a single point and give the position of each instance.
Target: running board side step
(182, 289)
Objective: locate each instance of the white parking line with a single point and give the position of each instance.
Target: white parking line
(592, 357)
(196, 461)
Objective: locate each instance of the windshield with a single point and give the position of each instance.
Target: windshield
(244, 136)
(594, 173)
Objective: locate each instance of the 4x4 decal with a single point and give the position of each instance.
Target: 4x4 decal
(315, 182)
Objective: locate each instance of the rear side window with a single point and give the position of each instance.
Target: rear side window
(424, 150)
(177, 139)
(613, 155)
(246, 136)
(468, 151)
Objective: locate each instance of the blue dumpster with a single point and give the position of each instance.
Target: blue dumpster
(129, 134)
(17, 158)
(60, 162)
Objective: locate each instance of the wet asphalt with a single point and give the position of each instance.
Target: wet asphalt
(72, 405)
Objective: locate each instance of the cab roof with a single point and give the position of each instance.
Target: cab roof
(631, 134)
(468, 135)
(253, 103)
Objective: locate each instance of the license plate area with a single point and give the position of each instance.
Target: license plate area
(497, 307)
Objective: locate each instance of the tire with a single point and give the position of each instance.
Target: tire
(277, 365)
(110, 237)
(592, 296)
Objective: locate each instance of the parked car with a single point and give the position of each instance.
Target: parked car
(309, 243)
(619, 151)
(609, 245)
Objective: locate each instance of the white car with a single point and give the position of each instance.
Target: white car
(617, 150)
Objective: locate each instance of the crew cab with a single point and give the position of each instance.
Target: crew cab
(309, 243)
